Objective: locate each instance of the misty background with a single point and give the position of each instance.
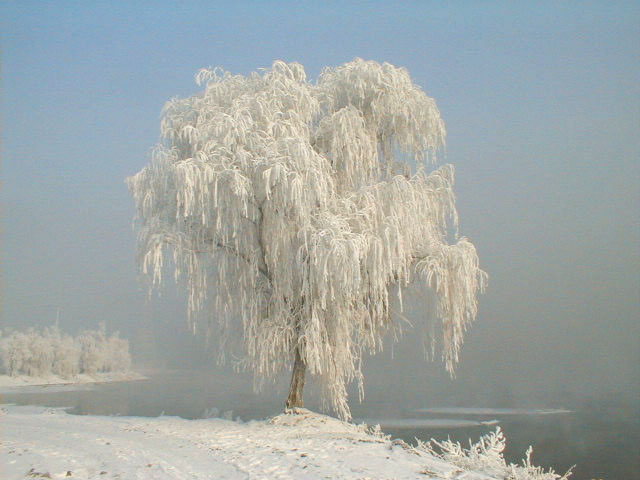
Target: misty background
(542, 108)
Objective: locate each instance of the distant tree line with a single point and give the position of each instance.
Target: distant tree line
(47, 351)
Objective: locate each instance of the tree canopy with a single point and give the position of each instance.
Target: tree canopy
(291, 209)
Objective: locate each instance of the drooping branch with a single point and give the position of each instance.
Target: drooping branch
(324, 189)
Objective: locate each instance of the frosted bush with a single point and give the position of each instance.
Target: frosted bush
(66, 353)
(116, 355)
(39, 361)
(92, 351)
(46, 352)
(27, 353)
(15, 353)
(486, 457)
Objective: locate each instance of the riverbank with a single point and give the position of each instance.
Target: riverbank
(48, 443)
(40, 442)
(9, 383)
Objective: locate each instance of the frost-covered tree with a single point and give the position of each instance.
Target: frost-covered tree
(44, 352)
(291, 210)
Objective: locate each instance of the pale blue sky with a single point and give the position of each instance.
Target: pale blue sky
(542, 106)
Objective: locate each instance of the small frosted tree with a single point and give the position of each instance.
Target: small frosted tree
(291, 210)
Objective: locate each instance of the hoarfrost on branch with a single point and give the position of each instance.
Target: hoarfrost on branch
(290, 209)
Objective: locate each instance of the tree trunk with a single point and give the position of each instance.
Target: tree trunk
(296, 390)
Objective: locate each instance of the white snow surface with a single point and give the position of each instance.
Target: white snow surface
(23, 383)
(40, 442)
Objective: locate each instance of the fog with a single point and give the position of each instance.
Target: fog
(542, 110)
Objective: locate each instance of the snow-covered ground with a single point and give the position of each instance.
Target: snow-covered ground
(16, 383)
(40, 442)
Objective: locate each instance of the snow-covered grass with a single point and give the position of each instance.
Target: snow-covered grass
(40, 442)
(50, 354)
(486, 456)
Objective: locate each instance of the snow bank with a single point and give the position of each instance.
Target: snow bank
(26, 383)
(41, 442)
